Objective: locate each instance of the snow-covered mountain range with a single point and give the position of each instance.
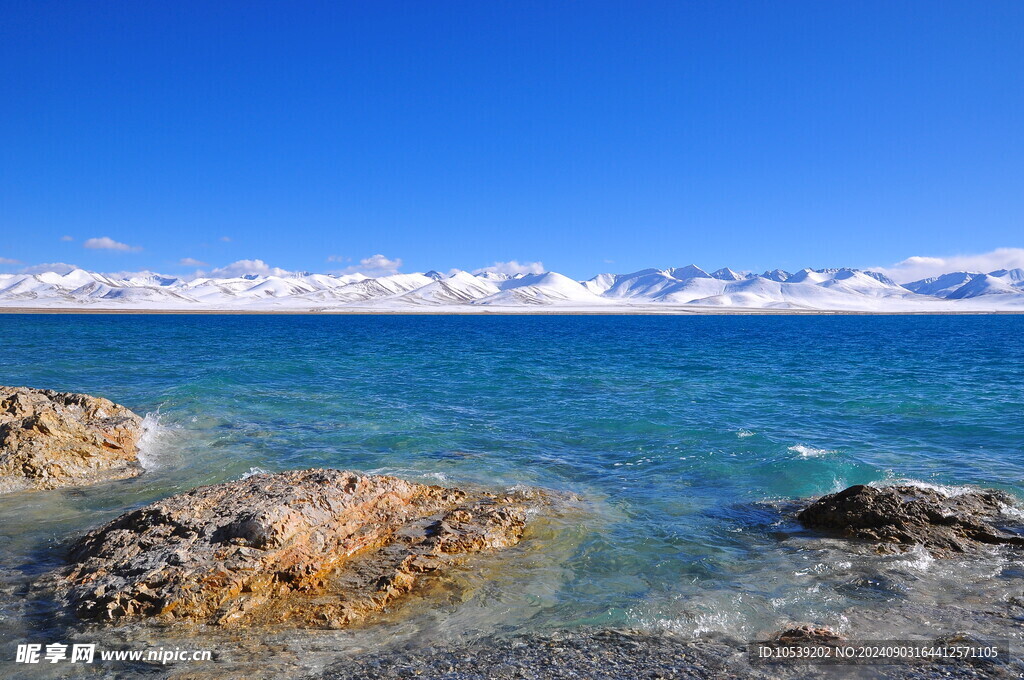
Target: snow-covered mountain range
(683, 289)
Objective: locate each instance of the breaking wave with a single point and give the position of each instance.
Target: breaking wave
(946, 490)
(253, 471)
(154, 443)
(809, 451)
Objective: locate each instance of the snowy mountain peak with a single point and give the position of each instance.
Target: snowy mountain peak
(1012, 275)
(148, 279)
(726, 274)
(941, 286)
(492, 276)
(779, 275)
(983, 284)
(878, 276)
(690, 271)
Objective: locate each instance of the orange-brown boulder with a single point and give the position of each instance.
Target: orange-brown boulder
(312, 548)
(54, 439)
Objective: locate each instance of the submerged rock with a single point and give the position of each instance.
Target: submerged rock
(807, 635)
(904, 516)
(54, 439)
(313, 548)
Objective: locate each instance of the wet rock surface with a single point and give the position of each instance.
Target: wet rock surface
(808, 635)
(54, 439)
(898, 517)
(312, 548)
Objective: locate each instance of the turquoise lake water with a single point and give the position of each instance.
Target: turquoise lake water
(684, 437)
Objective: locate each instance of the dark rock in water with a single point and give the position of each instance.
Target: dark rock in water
(57, 439)
(903, 516)
(313, 548)
(879, 588)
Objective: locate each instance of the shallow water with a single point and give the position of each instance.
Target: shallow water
(683, 435)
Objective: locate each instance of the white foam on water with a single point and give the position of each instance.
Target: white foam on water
(1011, 511)
(253, 471)
(809, 451)
(690, 625)
(943, 489)
(735, 614)
(719, 622)
(745, 433)
(838, 485)
(153, 445)
(918, 558)
(409, 473)
(820, 568)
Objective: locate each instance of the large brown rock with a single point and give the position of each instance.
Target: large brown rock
(313, 548)
(53, 439)
(903, 516)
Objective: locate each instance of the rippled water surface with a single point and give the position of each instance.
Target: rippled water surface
(683, 436)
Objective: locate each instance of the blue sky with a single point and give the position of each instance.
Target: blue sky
(590, 136)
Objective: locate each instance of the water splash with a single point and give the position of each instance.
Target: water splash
(946, 490)
(253, 471)
(918, 558)
(154, 444)
(809, 451)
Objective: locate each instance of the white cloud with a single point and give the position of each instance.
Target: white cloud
(338, 258)
(107, 243)
(247, 267)
(513, 267)
(7, 260)
(67, 238)
(56, 267)
(225, 239)
(191, 262)
(375, 265)
(922, 267)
